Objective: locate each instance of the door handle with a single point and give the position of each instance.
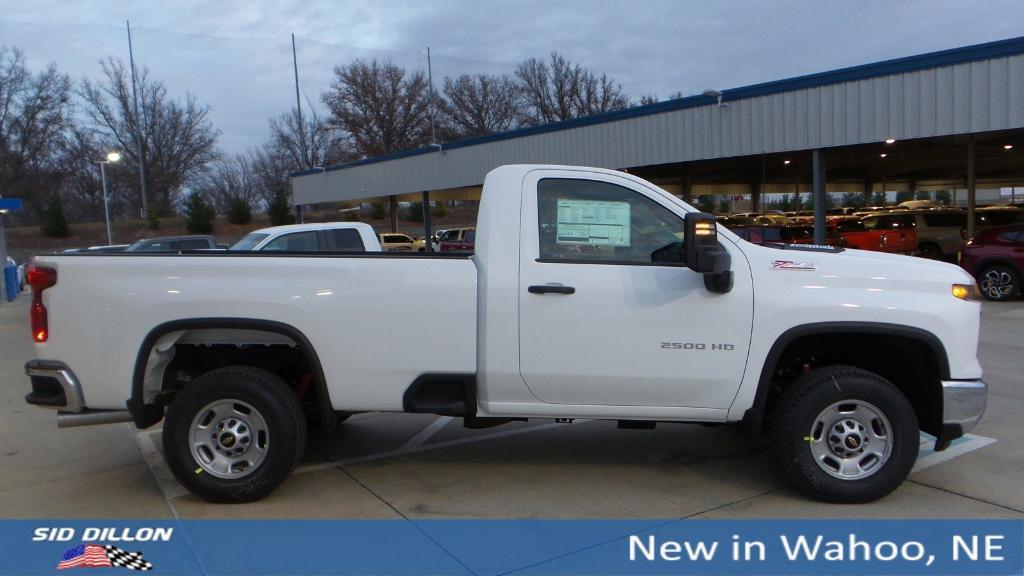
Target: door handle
(551, 289)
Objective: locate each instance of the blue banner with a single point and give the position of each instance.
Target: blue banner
(528, 547)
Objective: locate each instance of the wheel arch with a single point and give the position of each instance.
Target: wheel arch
(991, 261)
(146, 415)
(754, 417)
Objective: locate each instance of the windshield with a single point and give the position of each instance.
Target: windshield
(249, 242)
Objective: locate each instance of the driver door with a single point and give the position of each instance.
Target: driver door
(604, 318)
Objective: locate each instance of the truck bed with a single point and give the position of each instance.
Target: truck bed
(417, 310)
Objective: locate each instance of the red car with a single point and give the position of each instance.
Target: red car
(782, 234)
(896, 233)
(466, 244)
(996, 258)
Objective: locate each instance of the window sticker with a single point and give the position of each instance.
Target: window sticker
(593, 222)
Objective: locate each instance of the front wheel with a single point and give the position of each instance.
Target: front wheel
(998, 283)
(843, 434)
(234, 434)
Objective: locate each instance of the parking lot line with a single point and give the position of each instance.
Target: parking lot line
(407, 449)
(171, 489)
(928, 457)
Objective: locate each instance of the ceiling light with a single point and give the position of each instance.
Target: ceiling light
(883, 155)
(786, 162)
(1008, 147)
(890, 140)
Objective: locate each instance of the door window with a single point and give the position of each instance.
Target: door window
(295, 242)
(346, 240)
(592, 221)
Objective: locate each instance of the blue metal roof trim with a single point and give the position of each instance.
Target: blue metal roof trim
(962, 55)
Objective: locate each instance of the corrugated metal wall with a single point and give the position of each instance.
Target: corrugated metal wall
(972, 97)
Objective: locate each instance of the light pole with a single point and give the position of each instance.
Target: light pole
(111, 157)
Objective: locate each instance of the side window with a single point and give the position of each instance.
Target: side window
(295, 242)
(588, 220)
(773, 235)
(346, 240)
(190, 245)
(1016, 236)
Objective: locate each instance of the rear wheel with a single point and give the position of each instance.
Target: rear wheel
(234, 434)
(929, 250)
(843, 434)
(998, 283)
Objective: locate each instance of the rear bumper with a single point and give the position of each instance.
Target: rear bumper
(54, 385)
(963, 404)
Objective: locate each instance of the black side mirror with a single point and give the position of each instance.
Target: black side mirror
(704, 254)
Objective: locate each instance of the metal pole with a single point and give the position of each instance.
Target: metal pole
(970, 188)
(307, 162)
(393, 203)
(140, 150)
(430, 82)
(3, 259)
(818, 193)
(426, 220)
(106, 202)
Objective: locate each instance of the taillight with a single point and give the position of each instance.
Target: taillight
(39, 279)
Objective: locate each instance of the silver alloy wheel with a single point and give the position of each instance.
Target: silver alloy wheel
(851, 439)
(229, 439)
(997, 284)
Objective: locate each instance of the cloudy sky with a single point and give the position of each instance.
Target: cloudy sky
(235, 55)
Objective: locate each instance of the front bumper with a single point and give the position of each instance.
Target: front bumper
(963, 403)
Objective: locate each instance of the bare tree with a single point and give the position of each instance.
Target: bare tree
(177, 136)
(230, 178)
(35, 115)
(479, 105)
(562, 90)
(381, 106)
(81, 185)
(312, 144)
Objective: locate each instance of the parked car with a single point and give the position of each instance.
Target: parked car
(790, 234)
(939, 232)
(466, 243)
(108, 248)
(419, 244)
(995, 257)
(450, 235)
(175, 244)
(893, 233)
(594, 294)
(392, 242)
(319, 237)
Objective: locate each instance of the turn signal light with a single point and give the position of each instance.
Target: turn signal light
(39, 279)
(965, 291)
(704, 228)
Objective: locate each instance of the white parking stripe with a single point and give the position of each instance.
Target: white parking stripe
(423, 448)
(158, 466)
(427, 432)
(928, 457)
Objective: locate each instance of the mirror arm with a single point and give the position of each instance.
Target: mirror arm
(720, 283)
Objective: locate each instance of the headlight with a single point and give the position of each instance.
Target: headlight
(966, 291)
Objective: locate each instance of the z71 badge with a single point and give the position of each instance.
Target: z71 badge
(791, 265)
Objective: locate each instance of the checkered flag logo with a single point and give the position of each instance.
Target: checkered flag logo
(129, 560)
(96, 556)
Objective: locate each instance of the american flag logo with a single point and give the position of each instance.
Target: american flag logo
(97, 556)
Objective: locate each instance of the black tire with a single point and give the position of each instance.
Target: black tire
(998, 283)
(930, 250)
(281, 415)
(810, 396)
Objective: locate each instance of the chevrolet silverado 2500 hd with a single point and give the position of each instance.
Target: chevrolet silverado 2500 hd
(591, 294)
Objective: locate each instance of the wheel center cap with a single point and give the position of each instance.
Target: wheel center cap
(227, 440)
(852, 442)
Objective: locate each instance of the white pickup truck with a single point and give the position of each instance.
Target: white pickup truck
(591, 294)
